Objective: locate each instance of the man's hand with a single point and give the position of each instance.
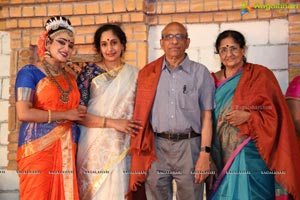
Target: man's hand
(202, 168)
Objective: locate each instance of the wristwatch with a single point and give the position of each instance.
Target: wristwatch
(205, 149)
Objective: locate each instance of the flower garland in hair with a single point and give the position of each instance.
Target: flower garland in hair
(42, 44)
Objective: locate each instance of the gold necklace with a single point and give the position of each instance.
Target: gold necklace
(45, 63)
(64, 93)
(113, 72)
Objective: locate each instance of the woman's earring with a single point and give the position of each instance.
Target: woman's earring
(47, 54)
(244, 58)
(69, 62)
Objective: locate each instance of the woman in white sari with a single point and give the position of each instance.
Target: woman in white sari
(107, 92)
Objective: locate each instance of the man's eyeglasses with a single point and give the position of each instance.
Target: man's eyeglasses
(224, 50)
(171, 36)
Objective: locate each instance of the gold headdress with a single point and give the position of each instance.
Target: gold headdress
(53, 26)
(58, 22)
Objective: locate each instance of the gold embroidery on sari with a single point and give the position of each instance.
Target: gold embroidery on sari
(67, 167)
(42, 142)
(93, 187)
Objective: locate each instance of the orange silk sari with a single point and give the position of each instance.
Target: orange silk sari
(46, 163)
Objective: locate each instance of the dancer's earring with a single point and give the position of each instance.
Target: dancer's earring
(69, 62)
(47, 54)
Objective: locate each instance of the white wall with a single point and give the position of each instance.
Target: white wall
(267, 43)
(9, 181)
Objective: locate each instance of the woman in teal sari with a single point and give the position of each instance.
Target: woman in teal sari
(254, 144)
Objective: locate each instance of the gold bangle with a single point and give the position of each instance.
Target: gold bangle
(49, 116)
(104, 122)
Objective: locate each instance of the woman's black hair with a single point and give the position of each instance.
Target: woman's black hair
(109, 27)
(235, 35)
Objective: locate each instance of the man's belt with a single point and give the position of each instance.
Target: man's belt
(177, 136)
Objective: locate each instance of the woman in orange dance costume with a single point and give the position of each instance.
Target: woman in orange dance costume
(47, 100)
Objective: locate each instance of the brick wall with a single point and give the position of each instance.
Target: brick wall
(228, 11)
(25, 21)
(294, 44)
(22, 20)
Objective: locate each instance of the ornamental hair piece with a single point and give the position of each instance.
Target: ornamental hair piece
(42, 44)
(54, 34)
(57, 22)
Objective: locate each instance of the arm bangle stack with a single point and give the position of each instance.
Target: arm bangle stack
(104, 122)
(49, 116)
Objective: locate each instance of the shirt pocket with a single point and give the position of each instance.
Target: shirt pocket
(188, 99)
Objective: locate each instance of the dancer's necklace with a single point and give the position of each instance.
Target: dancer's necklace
(50, 67)
(64, 93)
